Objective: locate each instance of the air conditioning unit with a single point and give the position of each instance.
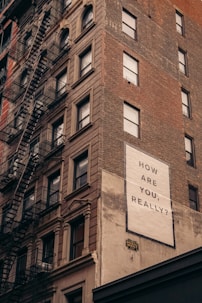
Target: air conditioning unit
(44, 267)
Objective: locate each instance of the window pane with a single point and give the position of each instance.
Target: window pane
(87, 17)
(128, 24)
(85, 64)
(83, 114)
(131, 128)
(188, 145)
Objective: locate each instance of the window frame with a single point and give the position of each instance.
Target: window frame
(127, 69)
(60, 90)
(76, 238)
(76, 175)
(64, 39)
(31, 203)
(183, 64)
(66, 4)
(179, 25)
(85, 23)
(83, 71)
(55, 140)
(21, 264)
(133, 122)
(51, 192)
(193, 203)
(48, 248)
(186, 104)
(125, 13)
(189, 151)
(79, 119)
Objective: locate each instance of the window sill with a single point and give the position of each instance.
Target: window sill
(77, 191)
(75, 84)
(54, 150)
(63, 52)
(84, 32)
(57, 100)
(49, 209)
(81, 131)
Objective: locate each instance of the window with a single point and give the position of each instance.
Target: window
(75, 296)
(34, 147)
(83, 113)
(18, 120)
(24, 79)
(130, 69)
(80, 170)
(27, 40)
(129, 24)
(1, 270)
(57, 133)
(185, 103)
(29, 199)
(21, 266)
(85, 61)
(193, 197)
(64, 39)
(77, 238)
(61, 81)
(87, 17)
(48, 248)
(179, 23)
(53, 188)
(182, 61)
(131, 120)
(189, 151)
(1, 103)
(66, 3)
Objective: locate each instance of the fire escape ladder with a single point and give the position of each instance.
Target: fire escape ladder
(32, 113)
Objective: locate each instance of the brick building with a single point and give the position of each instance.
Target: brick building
(101, 161)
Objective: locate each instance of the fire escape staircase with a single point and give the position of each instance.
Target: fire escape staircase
(32, 113)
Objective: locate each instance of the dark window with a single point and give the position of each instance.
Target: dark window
(57, 133)
(61, 81)
(48, 248)
(1, 270)
(64, 39)
(29, 199)
(18, 119)
(179, 22)
(129, 24)
(83, 113)
(24, 79)
(185, 103)
(74, 296)
(77, 238)
(85, 61)
(87, 17)
(27, 40)
(81, 170)
(193, 197)
(53, 188)
(3, 70)
(1, 103)
(189, 151)
(21, 266)
(34, 146)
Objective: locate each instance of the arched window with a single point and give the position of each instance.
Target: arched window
(64, 39)
(87, 17)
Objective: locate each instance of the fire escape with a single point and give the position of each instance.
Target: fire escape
(13, 231)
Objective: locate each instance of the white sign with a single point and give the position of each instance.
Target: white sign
(149, 210)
